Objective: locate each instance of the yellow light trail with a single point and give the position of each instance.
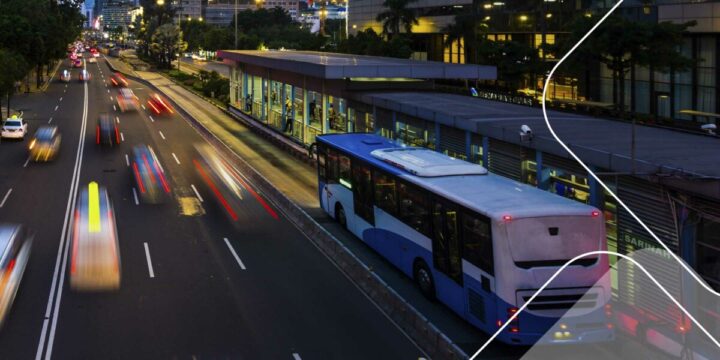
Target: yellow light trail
(93, 207)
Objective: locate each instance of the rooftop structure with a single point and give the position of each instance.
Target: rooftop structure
(341, 66)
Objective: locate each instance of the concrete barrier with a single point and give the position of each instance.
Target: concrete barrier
(425, 334)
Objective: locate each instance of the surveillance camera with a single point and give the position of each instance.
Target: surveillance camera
(525, 133)
(709, 128)
(525, 130)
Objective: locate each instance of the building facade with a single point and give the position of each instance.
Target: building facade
(652, 95)
(221, 12)
(188, 10)
(690, 95)
(117, 14)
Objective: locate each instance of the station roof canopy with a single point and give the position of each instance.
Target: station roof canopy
(665, 154)
(340, 66)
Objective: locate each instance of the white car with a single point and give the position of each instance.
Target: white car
(84, 75)
(92, 60)
(65, 76)
(14, 128)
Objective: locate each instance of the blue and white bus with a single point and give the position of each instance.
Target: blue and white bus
(479, 243)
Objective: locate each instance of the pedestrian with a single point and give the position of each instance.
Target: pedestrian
(288, 117)
(332, 116)
(248, 103)
(312, 109)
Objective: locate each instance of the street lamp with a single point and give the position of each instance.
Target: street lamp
(160, 2)
(236, 25)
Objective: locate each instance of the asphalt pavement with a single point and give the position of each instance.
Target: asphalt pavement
(193, 286)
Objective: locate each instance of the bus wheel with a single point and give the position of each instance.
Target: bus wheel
(424, 280)
(340, 215)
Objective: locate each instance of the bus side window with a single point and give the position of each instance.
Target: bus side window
(344, 171)
(321, 157)
(385, 193)
(477, 241)
(331, 171)
(362, 184)
(414, 208)
(446, 243)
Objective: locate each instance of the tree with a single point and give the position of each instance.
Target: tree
(275, 29)
(194, 33)
(167, 41)
(468, 32)
(39, 30)
(397, 16)
(368, 42)
(217, 38)
(621, 44)
(14, 69)
(514, 60)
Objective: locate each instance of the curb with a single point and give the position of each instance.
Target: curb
(406, 317)
(52, 76)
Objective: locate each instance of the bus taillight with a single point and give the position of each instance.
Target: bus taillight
(608, 310)
(514, 322)
(595, 213)
(507, 218)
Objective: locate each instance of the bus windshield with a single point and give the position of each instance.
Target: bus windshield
(554, 240)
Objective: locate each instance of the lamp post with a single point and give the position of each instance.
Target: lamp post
(160, 3)
(236, 26)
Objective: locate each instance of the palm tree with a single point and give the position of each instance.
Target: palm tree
(468, 32)
(397, 16)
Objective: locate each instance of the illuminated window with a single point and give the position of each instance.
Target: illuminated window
(455, 51)
(549, 39)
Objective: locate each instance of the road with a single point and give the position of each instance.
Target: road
(192, 66)
(187, 292)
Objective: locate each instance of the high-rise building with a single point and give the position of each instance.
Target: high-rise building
(220, 12)
(116, 13)
(188, 10)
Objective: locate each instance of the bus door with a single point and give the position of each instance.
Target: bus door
(447, 255)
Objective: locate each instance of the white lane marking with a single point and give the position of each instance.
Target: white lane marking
(108, 90)
(151, 118)
(56, 287)
(111, 98)
(143, 106)
(26, 162)
(242, 266)
(56, 107)
(64, 91)
(114, 108)
(137, 201)
(7, 195)
(122, 137)
(296, 356)
(147, 256)
(176, 158)
(50, 120)
(127, 160)
(61, 99)
(197, 193)
(65, 85)
(162, 135)
(117, 118)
